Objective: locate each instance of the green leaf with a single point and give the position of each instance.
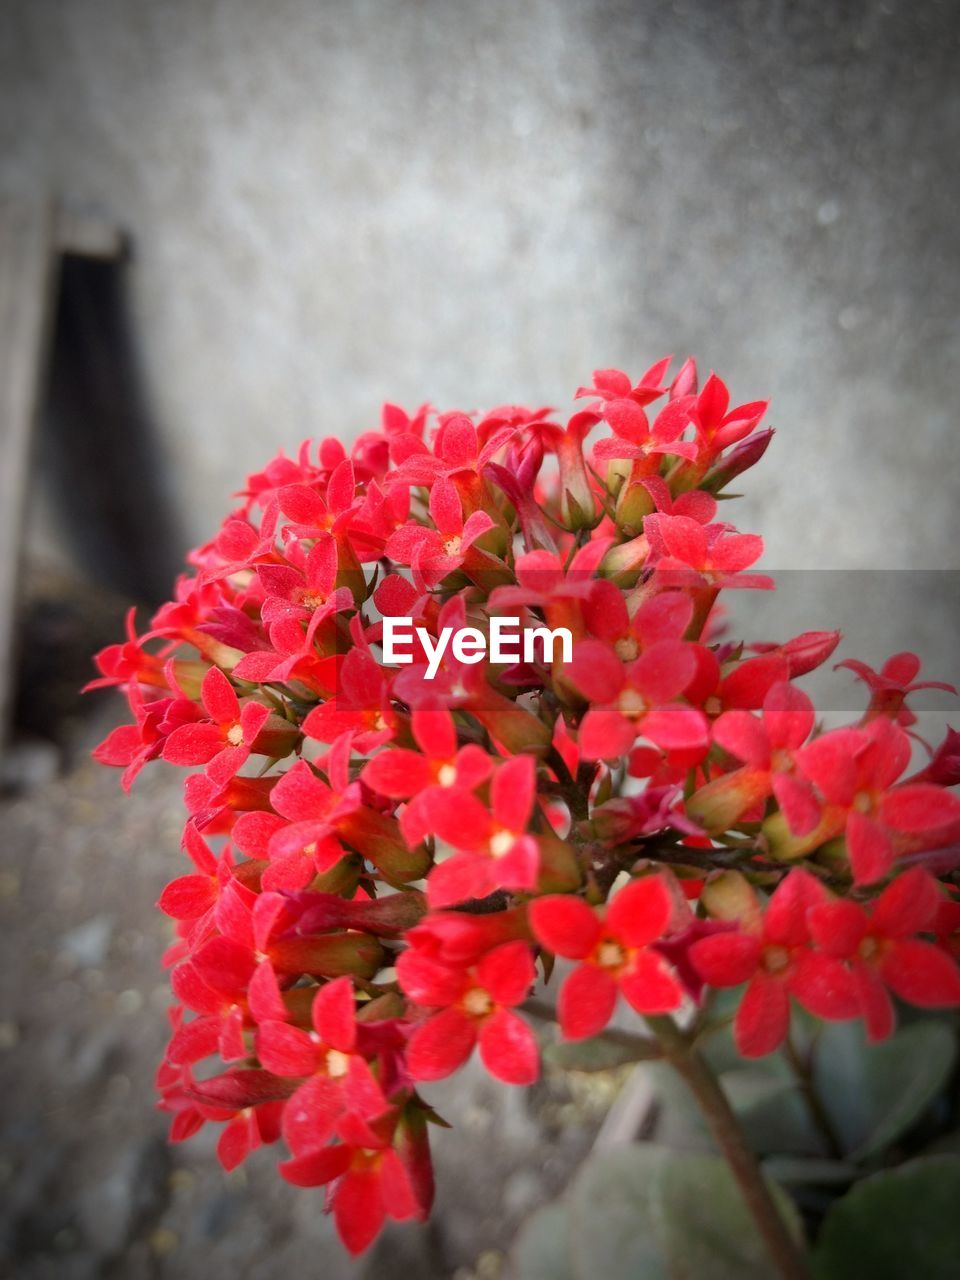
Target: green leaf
(772, 1111)
(542, 1249)
(647, 1211)
(794, 1171)
(896, 1224)
(875, 1093)
(598, 1054)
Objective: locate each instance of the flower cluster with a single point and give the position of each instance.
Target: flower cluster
(383, 863)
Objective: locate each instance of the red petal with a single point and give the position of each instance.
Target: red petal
(441, 1044)
(427, 982)
(908, 905)
(869, 847)
(677, 729)
(359, 1209)
(300, 795)
(824, 985)
(224, 964)
(726, 959)
(587, 1001)
(192, 744)
(187, 897)
(316, 1169)
(457, 817)
(788, 715)
(435, 733)
(875, 1003)
(508, 1048)
(219, 698)
(565, 925)
(797, 802)
(749, 682)
(785, 921)
(763, 1017)
(596, 671)
(743, 736)
(663, 672)
(922, 974)
(263, 995)
(446, 510)
(512, 792)
(238, 1139)
(458, 879)
(650, 985)
(605, 734)
(286, 1050)
(838, 927)
(507, 972)
(310, 1115)
(830, 762)
(334, 1014)
(919, 807)
(640, 912)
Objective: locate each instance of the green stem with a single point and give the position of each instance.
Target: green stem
(722, 1122)
(818, 1112)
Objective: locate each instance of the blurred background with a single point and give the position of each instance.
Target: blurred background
(324, 206)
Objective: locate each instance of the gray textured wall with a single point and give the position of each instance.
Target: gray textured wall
(334, 204)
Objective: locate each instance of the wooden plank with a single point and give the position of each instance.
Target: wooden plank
(27, 282)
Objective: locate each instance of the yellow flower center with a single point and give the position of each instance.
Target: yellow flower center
(631, 704)
(610, 954)
(447, 775)
(451, 546)
(477, 1003)
(626, 648)
(338, 1064)
(235, 735)
(863, 802)
(502, 843)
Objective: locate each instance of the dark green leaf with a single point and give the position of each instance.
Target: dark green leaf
(794, 1171)
(875, 1093)
(901, 1224)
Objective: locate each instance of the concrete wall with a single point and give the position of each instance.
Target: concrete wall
(334, 204)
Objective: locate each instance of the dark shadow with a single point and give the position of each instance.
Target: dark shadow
(98, 463)
(98, 452)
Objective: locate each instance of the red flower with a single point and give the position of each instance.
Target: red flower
(772, 953)
(476, 1006)
(882, 950)
(361, 705)
(854, 770)
(767, 746)
(370, 1181)
(338, 1078)
(401, 773)
(222, 742)
(494, 850)
(615, 951)
(439, 551)
(890, 686)
(303, 839)
(628, 701)
(692, 552)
